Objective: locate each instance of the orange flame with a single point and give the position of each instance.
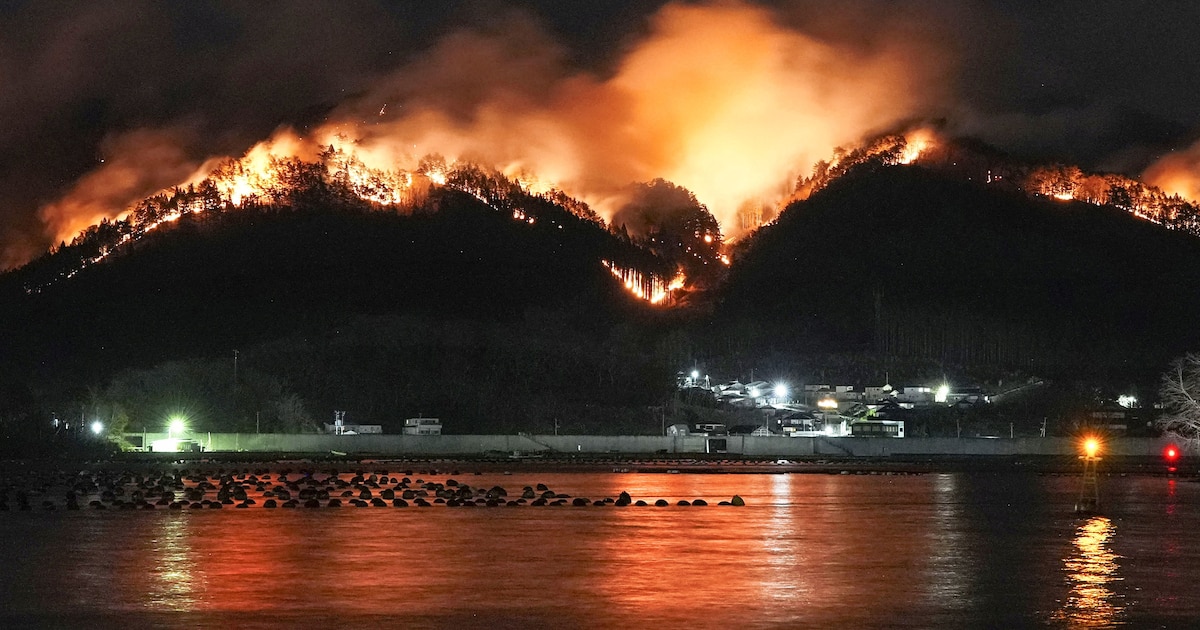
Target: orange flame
(719, 98)
(916, 143)
(647, 287)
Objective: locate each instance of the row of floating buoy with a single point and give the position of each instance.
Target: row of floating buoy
(375, 502)
(194, 491)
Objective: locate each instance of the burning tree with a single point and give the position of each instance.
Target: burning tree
(1180, 394)
(676, 226)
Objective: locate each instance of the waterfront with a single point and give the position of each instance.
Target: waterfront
(960, 549)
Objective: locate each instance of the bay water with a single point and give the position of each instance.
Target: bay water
(953, 550)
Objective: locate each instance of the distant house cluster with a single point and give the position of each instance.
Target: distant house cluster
(847, 397)
(821, 409)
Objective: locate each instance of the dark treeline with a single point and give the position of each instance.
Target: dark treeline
(527, 374)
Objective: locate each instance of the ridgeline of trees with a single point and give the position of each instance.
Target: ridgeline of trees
(974, 161)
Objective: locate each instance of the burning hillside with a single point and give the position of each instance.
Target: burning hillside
(683, 238)
(725, 101)
(721, 99)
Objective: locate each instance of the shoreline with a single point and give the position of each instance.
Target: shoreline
(627, 463)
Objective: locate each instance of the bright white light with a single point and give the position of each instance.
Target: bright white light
(827, 403)
(695, 374)
(169, 445)
(754, 392)
(97, 427)
(942, 393)
(781, 390)
(176, 426)
(1128, 402)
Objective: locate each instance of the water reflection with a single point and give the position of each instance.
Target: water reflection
(176, 580)
(783, 583)
(823, 551)
(948, 572)
(1091, 570)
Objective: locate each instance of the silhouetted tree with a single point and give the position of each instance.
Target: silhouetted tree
(1180, 393)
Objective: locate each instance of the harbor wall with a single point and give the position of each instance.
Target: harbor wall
(751, 446)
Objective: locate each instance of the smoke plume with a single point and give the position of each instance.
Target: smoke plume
(136, 165)
(719, 98)
(1177, 173)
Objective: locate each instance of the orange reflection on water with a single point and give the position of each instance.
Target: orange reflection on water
(1091, 570)
(175, 582)
(785, 548)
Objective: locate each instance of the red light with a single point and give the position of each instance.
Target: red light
(1171, 453)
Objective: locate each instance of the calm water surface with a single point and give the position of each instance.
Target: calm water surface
(844, 551)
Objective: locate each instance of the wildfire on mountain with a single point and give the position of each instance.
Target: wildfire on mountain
(724, 100)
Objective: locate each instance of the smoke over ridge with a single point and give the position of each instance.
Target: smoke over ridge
(718, 98)
(108, 101)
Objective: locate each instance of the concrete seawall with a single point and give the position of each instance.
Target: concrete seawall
(636, 444)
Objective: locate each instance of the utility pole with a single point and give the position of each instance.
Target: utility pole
(235, 362)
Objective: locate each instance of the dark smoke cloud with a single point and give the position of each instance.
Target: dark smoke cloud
(1107, 83)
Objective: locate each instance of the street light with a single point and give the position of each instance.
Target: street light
(781, 391)
(1091, 446)
(97, 427)
(175, 426)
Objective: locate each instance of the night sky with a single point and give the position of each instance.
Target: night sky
(158, 88)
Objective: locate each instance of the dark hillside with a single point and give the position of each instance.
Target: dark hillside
(206, 285)
(906, 262)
